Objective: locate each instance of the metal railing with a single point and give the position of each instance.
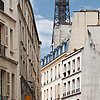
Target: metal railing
(2, 49)
(73, 91)
(3, 97)
(73, 70)
(68, 93)
(64, 94)
(78, 68)
(78, 90)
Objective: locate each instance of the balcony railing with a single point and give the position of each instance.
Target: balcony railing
(44, 83)
(68, 93)
(55, 77)
(73, 70)
(2, 49)
(73, 91)
(3, 97)
(78, 90)
(1, 5)
(51, 79)
(78, 68)
(59, 75)
(47, 81)
(64, 94)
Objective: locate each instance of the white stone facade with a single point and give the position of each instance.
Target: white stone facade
(71, 82)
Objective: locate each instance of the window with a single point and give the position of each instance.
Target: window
(78, 63)
(22, 5)
(55, 72)
(78, 85)
(47, 77)
(51, 75)
(64, 88)
(13, 86)
(10, 3)
(73, 86)
(59, 90)
(69, 68)
(23, 34)
(44, 78)
(44, 95)
(6, 37)
(73, 64)
(1, 5)
(78, 82)
(11, 40)
(59, 70)
(8, 84)
(47, 94)
(68, 93)
(0, 34)
(51, 93)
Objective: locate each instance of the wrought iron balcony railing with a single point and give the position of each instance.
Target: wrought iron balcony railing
(78, 90)
(3, 97)
(2, 49)
(73, 91)
(68, 93)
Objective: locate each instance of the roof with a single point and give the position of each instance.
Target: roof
(87, 11)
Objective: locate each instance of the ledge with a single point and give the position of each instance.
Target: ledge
(71, 75)
(9, 59)
(50, 82)
(7, 15)
(71, 95)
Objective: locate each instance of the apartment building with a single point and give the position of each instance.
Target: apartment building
(71, 80)
(51, 73)
(19, 52)
(76, 73)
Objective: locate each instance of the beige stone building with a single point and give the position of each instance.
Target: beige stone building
(19, 52)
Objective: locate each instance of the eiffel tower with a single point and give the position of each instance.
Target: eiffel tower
(62, 13)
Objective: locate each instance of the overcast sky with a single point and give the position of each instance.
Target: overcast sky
(44, 15)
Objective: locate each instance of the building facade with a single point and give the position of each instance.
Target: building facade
(71, 80)
(51, 73)
(19, 52)
(78, 67)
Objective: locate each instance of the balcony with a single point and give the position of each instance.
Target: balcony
(73, 70)
(64, 94)
(73, 91)
(78, 90)
(78, 68)
(2, 49)
(55, 77)
(68, 93)
(47, 81)
(64, 73)
(1, 5)
(59, 75)
(68, 72)
(3, 97)
(51, 79)
(44, 83)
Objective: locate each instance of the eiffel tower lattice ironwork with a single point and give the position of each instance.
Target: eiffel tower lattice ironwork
(62, 13)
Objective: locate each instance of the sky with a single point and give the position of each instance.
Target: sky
(44, 16)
